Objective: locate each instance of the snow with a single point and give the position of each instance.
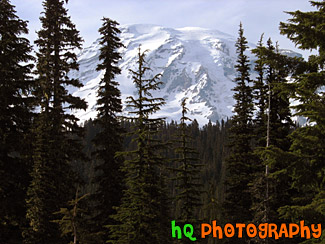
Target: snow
(194, 62)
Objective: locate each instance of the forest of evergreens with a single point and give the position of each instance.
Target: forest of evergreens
(123, 179)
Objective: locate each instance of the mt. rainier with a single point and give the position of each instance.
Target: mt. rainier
(194, 62)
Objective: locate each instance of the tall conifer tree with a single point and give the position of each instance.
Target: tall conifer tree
(258, 186)
(260, 95)
(237, 202)
(57, 131)
(188, 177)
(307, 170)
(271, 187)
(142, 216)
(108, 141)
(15, 122)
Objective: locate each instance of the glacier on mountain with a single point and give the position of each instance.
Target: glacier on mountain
(194, 62)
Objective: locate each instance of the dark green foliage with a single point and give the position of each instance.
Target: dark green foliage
(143, 214)
(56, 144)
(273, 121)
(260, 92)
(72, 222)
(43, 191)
(188, 177)
(307, 167)
(236, 190)
(240, 163)
(279, 68)
(108, 141)
(15, 122)
(212, 149)
(210, 140)
(259, 184)
(271, 186)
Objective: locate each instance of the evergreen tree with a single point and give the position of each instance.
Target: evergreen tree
(188, 177)
(271, 188)
(15, 121)
(307, 169)
(142, 216)
(56, 143)
(260, 95)
(273, 118)
(259, 185)
(72, 219)
(279, 68)
(108, 141)
(237, 202)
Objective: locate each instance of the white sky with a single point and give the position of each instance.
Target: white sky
(257, 16)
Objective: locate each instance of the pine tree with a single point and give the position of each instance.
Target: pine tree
(142, 216)
(259, 185)
(237, 202)
(260, 95)
(272, 95)
(56, 143)
(279, 68)
(15, 121)
(271, 188)
(307, 170)
(108, 141)
(188, 177)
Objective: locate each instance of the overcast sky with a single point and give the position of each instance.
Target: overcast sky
(257, 16)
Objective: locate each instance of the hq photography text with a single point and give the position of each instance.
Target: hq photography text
(263, 231)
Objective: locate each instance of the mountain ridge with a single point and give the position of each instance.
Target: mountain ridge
(197, 63)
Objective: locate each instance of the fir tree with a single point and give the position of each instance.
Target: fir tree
(307, 169)
(108, 141)
(272, 96)
(271, 187)
(279, 68)
(72, 219)
(188, 177)
(260, 95)
(15, 122)
(259, 185)
(237, 202)
(142, 216)
(56, 130)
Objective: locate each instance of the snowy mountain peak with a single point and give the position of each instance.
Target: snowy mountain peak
(194, 62)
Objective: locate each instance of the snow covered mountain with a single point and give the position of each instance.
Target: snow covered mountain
(194, 62)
